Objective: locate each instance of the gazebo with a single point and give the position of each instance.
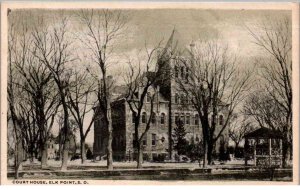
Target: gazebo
(265, 147)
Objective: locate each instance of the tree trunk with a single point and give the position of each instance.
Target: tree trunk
(65, 155)
(236, 149)
(209, 153)
(18, 167)
(82, 151)
(291, 151)
(205, 154)
(18, 158)
(284, 153)
(44, 159)
(31, 157)
(110, 136)
(140, 156)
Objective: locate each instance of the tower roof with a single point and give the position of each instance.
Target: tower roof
(171, 45)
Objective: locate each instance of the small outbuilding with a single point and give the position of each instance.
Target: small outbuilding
(264, 146)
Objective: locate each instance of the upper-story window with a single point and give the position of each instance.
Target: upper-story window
(144, 117)
(134, 141)
(133, 117)
(221, 120)
(148, 98)
(182, 118)
(153, 139)
(176, 71)
(153, 118)
(176, 98)
(145, 140)
(196, 119)
(176, 118)
(182, 72)
(187, 119)
(162, 118)
(187, 74)
(183, 99)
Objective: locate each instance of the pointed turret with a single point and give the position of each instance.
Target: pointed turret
(170, 46)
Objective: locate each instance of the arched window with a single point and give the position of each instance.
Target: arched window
(182, 72)
(196, 119)
(197, 138)
(221, 120)
(144, 117)
(162, 118)
(183, 99)
(176, 98)
(187, 74)
(153, 118)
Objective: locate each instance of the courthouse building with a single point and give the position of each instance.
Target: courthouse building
(170, 105)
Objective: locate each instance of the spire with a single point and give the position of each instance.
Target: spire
(170, 41)
(169, 45)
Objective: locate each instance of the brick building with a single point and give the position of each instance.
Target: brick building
(170, 105)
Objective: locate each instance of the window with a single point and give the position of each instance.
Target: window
(176, 118)
(153, 119)
(183, 99)
(153, 139)
(221, 120)
(162, 118)
(176, 98)
(145, 140)
(144, 117)
(187, 74)
(187, 119)
(196, 119)
(197, 138)
(133, 117)
(134, 142)
(182, 118)
(148, 98)
(176, 71)
(182, 72)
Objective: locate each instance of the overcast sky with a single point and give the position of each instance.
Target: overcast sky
(152, 26)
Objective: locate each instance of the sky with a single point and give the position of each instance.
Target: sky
(153, 25)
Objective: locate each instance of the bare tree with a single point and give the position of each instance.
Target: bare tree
(53, 50)
(214, 86)
(239, 127)
(142, 91)
(80, 102)
(274, 38)
(103, 29)
(37, 82)
(39, 104)
(266, 112)
(13, 102)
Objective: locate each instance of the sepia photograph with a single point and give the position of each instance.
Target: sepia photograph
(149, 92)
